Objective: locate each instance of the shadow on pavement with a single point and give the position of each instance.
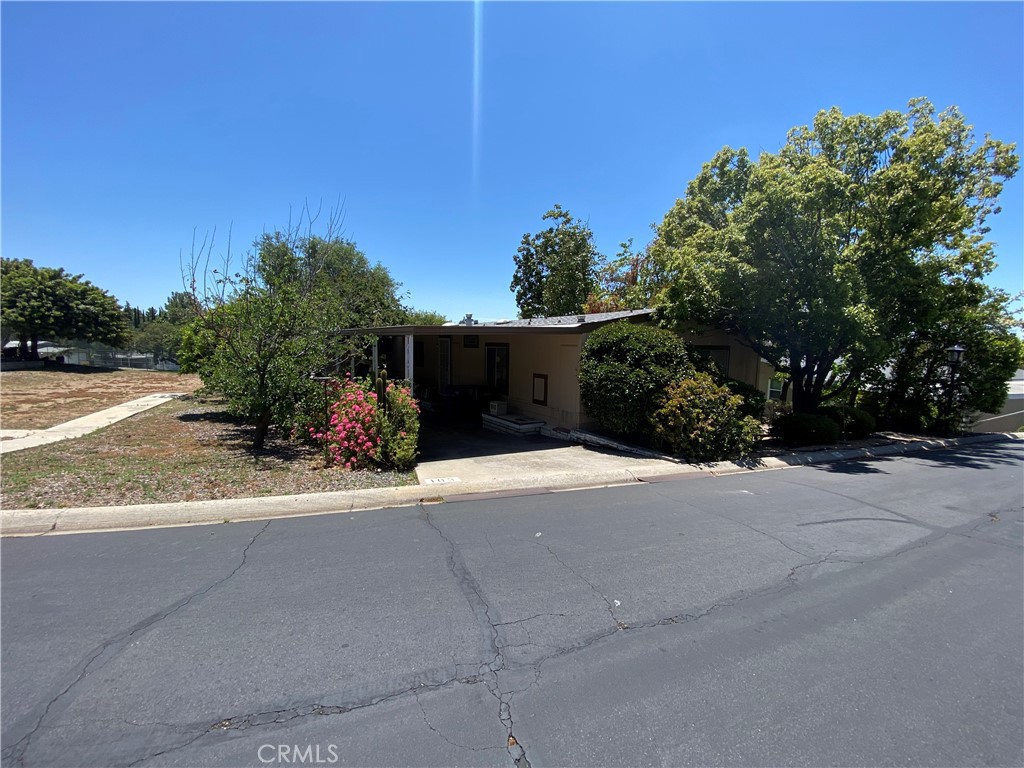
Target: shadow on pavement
(853, 467)
(983, 456)
(973, 456)
(440, 441)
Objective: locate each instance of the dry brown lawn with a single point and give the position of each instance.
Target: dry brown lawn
(42, 398)
(184, 450)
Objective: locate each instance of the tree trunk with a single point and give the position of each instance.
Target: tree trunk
(806, 395)
(805, 399)
(34, 351)
(262, 426)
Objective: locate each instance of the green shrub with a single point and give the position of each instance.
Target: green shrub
(776, 409)
(624, 370)
(703, 421)
(314, 410)
(753, 398)
(853, 422)
(796, 429)
(398, 424)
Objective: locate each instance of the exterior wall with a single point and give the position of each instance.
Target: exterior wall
(557, 359)
(555, 356)
(744, 364)
(469, 363)
(548, 360)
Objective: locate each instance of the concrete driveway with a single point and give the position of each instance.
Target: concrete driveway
(453, 456)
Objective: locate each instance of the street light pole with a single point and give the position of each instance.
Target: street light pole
(954, 356)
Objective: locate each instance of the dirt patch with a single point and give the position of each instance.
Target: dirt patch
(184, 450)
(41, 398)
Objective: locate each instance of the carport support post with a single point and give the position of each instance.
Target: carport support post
(408, 359)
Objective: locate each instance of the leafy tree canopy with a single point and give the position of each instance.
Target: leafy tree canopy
(423, 317)
(825, 256)
(263, 330)
(42, 302)
(555, 268)
(632, 280)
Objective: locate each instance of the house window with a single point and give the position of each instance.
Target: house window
(497, 367)
(775, 388)
(540, 389)
(719, 354)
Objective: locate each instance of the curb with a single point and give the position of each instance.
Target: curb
(24, 522)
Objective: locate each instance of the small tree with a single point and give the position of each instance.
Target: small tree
(556, 268)
(262, 331)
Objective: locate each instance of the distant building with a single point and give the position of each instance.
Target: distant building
(1011, 417)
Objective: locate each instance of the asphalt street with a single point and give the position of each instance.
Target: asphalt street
(856, 613)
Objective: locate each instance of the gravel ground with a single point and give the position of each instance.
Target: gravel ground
(185, 450)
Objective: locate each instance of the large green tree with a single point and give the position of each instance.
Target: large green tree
(822, 256)
(555, 268)
(39, 302)
(263, 330)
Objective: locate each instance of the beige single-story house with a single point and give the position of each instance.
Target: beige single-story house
(526, 367)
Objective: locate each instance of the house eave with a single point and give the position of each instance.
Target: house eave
(517, 327)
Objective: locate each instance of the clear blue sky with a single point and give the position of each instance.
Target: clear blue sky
(126, 125)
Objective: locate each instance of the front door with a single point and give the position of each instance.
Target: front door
(497, 367)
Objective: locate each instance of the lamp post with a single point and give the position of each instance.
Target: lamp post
(954, 357)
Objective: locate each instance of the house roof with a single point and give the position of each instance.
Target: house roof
(580, 323)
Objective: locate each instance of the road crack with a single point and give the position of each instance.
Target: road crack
(611, 605)
(489, 672)
(109, 649)
(427, 722)
(765, 533)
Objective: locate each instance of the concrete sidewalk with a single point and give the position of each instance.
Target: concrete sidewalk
(512, 474)
(20, 439)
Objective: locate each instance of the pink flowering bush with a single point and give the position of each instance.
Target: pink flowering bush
(351, 438)
(362, 432)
